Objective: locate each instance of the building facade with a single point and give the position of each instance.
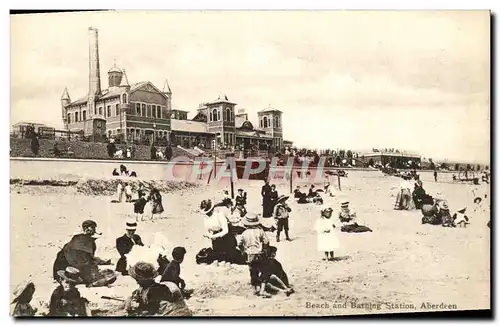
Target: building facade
(142, 111)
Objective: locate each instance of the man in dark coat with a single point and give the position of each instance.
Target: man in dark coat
(267, 205)
(35, 144)
(111, 147)
(168, 152)
(124, 245)
(153, 152)
(79, 253)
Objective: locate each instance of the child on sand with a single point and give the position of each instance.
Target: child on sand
(22, 298)
(128, 193)
(139, 205)
(173, 271)
(327, 238)
(66, 299)
(273, 275)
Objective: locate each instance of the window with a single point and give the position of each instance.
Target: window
(117, 111)
(109, 110)
(218, 115)
(137, 108)
(69, 117)
(84, 117)
(76, 116)
(158, 112)
(265, 122)
(124, 98)
(149, 110)
(211, 117)
(100, 110)
(261, 124)
(95, 110)
(228, 114)
(214, 112)
(143, 111)
(153, 108)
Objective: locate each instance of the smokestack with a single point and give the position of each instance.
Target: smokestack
(94, 71)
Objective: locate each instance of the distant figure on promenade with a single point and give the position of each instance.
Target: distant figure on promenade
(111, 148)
(153, 152)
(168, 152)
(435, 175)
(35, 144)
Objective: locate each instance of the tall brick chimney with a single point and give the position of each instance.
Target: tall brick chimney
(94, 71)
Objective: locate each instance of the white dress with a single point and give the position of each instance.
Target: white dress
(327, 241)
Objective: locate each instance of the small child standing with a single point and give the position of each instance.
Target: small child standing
(173, 271)
(139, 205)
(327, 239)
(128, 193)
(66, 299)
(22, 298)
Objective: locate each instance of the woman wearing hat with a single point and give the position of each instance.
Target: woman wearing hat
(217, 227)
(156, 201)
(152, 298)
(20, 306)
(66, 300)
(327, 237)
(125, 243)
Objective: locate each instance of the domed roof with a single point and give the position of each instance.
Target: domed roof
(114, 69)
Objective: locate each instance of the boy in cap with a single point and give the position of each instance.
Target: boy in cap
(281, 216)
(173, 271)
(125, 243)
(66, 300)
(23, 294)
(240, 202)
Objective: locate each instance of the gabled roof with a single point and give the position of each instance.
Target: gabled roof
(188, 126)
(139, 85)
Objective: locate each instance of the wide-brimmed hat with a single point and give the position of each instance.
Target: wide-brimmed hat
(131, 225)
(70, 274)
(443, 204)
(21, 289)
(251, 220)
(344, 203)
(478, 198)
(240, 189)
(326, 209)
(143, 271)
(462, 211)
(282, 199)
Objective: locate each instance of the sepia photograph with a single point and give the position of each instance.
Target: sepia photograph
(250, 163)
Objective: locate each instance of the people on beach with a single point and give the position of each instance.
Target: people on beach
(123, 170)
(435, 214)
(128, 192)
(460, 219)
(281, 215)
(172, 272)
(435, 176)
(125, 243)
(300, 196)
(156, 200)
(66, 300)
(35, 144)
(79, 253)
(273, 195)
(217, 230)
(420, 197)
(403, 199)
(20, 305)
(273, 274)
(267, 208)
(119, 191)
(115, 172)
(152, 298)
(240, 202)
(328, 241)
(139, 205)
(348, 219)
(254, 243)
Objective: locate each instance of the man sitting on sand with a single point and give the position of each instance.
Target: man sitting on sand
(79, 253)
(300, 196)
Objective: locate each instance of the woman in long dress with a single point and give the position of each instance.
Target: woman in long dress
(156, 201)
(327, 237)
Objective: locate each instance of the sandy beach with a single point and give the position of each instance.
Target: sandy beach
(402, 266)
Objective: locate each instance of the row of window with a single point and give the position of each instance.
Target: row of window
(265, 122)
(138, 132)
(147, 110)
(77, 116)
(215, 115)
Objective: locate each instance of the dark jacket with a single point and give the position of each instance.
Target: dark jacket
(173, 274)
(124, 245)
(72, 305)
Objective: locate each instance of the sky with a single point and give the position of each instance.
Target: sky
(418, 81)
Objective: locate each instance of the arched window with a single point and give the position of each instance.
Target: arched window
(69, 117)
(117, 111)
(218, 115)
(211, 116)
(265, 122)
(100, 110)
(76, 116)
(228, 114)
(214, 112)
(124, 98)
(109, 110)
(261, 123)
(158, 112)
